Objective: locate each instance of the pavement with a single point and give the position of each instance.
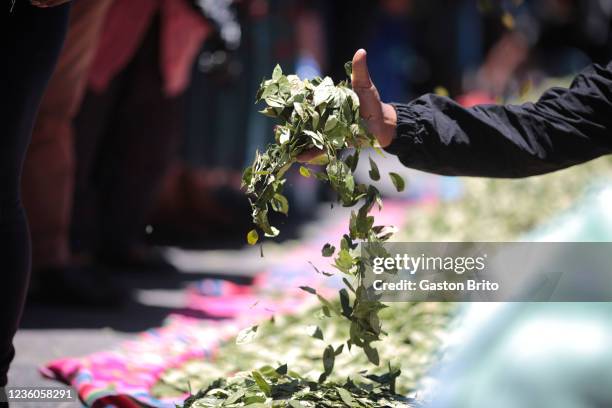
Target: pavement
(51, 332)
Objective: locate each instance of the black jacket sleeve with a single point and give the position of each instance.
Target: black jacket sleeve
(565, 127)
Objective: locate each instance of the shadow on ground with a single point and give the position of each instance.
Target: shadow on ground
(161, 293)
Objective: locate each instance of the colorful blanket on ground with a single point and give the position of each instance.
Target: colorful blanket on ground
(123, 377)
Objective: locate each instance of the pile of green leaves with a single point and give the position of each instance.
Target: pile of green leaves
(269, 387)
(316, 114)
(418, 329)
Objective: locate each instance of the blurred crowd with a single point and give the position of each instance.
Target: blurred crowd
(149, 116)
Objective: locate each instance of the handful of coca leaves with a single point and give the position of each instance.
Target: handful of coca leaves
(312, 114)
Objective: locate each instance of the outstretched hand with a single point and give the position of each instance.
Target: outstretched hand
(380, 118)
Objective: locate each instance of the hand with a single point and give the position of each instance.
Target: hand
(47, 3)
(380, 118)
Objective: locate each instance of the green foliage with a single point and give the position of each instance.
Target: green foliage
(316, 114)
(398, 181)
(298, 339)
(252, 237)
(277, 388)
(374, 173)
(312, 114)
(247, 335)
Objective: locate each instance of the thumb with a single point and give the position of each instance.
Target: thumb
(361, 75)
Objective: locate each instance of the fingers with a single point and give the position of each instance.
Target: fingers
(361, 75)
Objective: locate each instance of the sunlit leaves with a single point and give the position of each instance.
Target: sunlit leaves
(310, 114)
(324, 92)
(305, 171)
(344, 261)
(262, 383)
(277, 73)
(347, 398)
(252, 237)
(280, 204)
(282, 388)
(318, 114)
(441, 91)
(246, 335)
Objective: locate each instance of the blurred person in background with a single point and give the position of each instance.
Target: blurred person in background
(34, 36)
(546, 38)
(130, 125)
(392, 45)
(49, 171)
(415, 45)
(200, 203)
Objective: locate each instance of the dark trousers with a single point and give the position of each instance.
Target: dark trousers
(32, 42)
(125, 139)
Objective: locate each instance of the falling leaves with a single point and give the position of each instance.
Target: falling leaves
(398, 182)
(247, 335)
(374, 172)
(328, 250)
(319, 115)
(252, 237)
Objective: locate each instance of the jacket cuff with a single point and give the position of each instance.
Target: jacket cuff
(409, 131)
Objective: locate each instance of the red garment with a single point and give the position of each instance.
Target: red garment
(182, 31)
(48, 172)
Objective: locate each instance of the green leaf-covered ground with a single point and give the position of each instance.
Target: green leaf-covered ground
(501, 210)
(415, 331)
